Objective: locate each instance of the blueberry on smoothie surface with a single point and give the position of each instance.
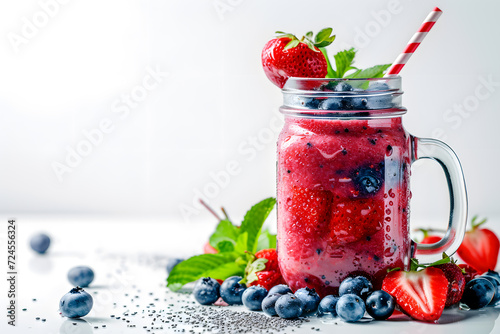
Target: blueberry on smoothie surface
(76, 303)
(231, 290)
(81, 276)
(40, 242)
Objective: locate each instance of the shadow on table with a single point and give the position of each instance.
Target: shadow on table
(75, 326)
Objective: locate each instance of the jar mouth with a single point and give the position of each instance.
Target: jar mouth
(346, 97)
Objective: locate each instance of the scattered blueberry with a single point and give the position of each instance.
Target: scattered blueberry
(76, 303)
(493, 274)
(172, 263)
(350, 307)
(80, 276)
(253, 296)
(496, 284)
(231, 290)
(206, 291)
(268, 304)
(358, 285)
(281, 289)
(40, 243)
(380, 305)
(310, 298)
(289, 306)
(328, 305)
(368, 180)
(478, 293)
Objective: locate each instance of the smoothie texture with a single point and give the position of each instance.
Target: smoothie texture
(343, 199)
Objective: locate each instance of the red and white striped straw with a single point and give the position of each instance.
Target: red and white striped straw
(414, 42)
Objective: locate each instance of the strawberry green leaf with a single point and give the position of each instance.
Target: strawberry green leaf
(266, 240)
(376, 71)
(253, 221)
(290, 45)
(331, 73)
(225, 231)
(251, 270)
(344, 61)
(310, 45)
(309, 34)
(201, 266)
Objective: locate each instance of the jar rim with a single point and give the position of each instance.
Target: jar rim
(315, 84)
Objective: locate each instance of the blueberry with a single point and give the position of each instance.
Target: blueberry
(328, 305)
(253, 296)
(231, 290)
(496, 284)
(359, 103)
(380, 305)
(289, 306)
(358, 285)
(332, 103)
(280, 288)
(172, 263)
(40, 243)
(378, 86)
(342, 87)
(268, 304)
(350, 307)
(368, 181)
(80, 276)
(206, 291)
(310, 299)
(478, 293)
(76, 303)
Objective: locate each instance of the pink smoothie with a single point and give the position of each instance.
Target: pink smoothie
(343, 200)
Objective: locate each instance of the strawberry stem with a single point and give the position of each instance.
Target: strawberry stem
(225, 213)
(210, 209)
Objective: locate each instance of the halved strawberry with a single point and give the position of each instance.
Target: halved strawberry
(287, 56)
(480, 247)
(456, 282)
(263, 270)
(420, 294)
(356, 219)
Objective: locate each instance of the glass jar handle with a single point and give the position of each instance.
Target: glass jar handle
(427, 148)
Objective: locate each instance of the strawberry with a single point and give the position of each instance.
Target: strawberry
(263, 270)
(480, 247)
(311, 207)
(428, 239)
(286, 56)
(420, 294)
(356, 219)
(208, 249)
(469, 272)
(456, 282)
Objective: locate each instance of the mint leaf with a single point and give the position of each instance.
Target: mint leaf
(323, 38)
(266, 240)
(331, 73)
(241, 243)
(376, 71)
(201, 266)
(225, 246)
(225, 271)
(343, 62)
(253, 221)
(225, 231)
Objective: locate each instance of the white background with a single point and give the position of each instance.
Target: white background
(70, 73)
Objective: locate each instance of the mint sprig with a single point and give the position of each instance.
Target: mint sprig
(236, 247)
(344, 66)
